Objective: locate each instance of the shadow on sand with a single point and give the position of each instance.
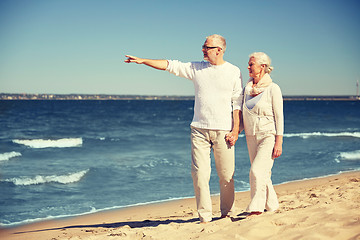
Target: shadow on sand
(135, 224)
(132, 224)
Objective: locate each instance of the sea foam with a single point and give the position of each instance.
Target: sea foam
(47, 143)
(8, 155)
(63, 179)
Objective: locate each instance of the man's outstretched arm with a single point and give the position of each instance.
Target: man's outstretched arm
(157, 64)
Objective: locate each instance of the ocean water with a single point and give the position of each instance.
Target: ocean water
(67, 158)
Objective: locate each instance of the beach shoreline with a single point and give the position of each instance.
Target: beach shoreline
(318, 208)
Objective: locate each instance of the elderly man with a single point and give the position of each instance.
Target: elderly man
(215, 123)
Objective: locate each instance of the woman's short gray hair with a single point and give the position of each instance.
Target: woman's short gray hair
(220, 40)
(263, 58)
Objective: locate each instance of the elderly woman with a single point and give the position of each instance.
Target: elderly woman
(263, 121)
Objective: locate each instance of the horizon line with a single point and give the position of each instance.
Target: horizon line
(163, 95)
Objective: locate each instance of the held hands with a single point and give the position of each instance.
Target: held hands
(231, 138)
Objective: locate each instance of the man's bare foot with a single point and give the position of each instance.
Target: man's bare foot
(204, 222)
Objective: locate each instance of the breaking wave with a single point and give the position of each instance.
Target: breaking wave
(63, 179)
(47, 143)
(320, 134)
(8, 155)
(348, 156)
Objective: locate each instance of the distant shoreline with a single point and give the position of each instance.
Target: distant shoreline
(28, 96)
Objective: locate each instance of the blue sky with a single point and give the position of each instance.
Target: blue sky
(78, 46)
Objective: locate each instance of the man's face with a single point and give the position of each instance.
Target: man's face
(210, 50)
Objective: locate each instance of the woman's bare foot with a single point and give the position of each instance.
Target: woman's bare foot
(253, 214)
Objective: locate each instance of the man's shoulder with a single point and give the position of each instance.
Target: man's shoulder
(230, 65)
(194, 63)
(200, 63)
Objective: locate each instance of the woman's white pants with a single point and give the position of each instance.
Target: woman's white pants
(263, 195)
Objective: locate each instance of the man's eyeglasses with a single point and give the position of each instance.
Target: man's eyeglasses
(207, 48)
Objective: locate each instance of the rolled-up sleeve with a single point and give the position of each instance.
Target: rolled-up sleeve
(180, 69)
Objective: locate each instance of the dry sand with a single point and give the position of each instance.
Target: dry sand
(323, 208)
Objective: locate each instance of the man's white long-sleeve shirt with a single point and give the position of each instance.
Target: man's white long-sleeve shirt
(217, 92)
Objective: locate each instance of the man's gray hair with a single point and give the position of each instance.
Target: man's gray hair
(219, 40)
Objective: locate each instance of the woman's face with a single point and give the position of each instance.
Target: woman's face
(254, 68)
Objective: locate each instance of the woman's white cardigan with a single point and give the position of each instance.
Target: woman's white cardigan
(267, 115)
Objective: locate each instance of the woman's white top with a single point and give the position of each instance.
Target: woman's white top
(252, 101)
(267, 115)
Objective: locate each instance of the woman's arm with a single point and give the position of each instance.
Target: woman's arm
(277, 104)
(277, 151)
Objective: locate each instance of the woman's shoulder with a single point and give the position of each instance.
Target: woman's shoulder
(274, 85)
(274, 88)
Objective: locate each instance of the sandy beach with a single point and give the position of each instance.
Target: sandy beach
(322, 208)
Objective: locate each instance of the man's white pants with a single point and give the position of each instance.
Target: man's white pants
(263, 195)
(202, 141)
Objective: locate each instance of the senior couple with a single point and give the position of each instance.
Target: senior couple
(222, 110)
